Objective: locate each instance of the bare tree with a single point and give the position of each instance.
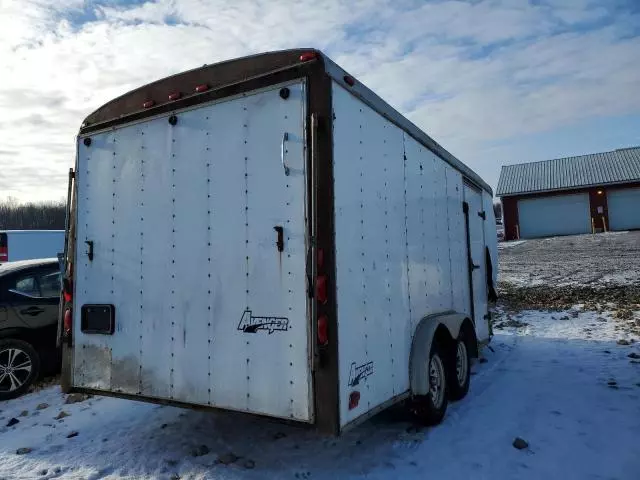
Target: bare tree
(32, 216)
(497, 209)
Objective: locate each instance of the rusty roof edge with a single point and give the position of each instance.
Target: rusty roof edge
(207, 66)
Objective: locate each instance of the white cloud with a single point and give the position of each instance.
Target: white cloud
(469, 73)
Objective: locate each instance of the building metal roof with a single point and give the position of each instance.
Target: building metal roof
(618, 166)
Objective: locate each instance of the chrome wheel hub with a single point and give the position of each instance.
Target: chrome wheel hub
(15, 369)
(436, 381)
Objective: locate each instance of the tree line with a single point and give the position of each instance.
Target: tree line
(32, 215)
(51, 215)
(497, 210)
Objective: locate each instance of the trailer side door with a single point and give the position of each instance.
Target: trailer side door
(475, 218)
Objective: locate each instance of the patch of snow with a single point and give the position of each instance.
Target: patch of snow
(512, 243)
(522, 279)
(620, 278)
(571, 324)
(564, 386)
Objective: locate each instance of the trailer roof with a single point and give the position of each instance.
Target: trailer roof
(180, 90)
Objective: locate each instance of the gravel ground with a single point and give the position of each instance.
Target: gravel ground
(601, 260)
(597, 273)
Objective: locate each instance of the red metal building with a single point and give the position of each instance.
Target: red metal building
(566, 196)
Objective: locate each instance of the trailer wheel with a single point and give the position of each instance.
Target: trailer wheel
(19, 368)
(429, 409)
(460, 374)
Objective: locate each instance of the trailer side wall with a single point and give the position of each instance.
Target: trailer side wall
(400, 250)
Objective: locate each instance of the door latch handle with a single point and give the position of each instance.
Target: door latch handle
(280, 240)
(474, 266)
(90, 250)
(285, 139)
(33, 311)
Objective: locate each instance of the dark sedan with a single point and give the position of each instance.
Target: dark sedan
(29, 302)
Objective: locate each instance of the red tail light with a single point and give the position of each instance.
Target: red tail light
(67, 290)
(349, 80)
(323, 330)
(148, 104)
(305, 57)
(320, 258)
(354, 399)
(174, 96)
(4, 254)
(321, 289)
(66, 323)
(202, 88)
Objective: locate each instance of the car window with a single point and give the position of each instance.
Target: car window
(49, 284)
(41, 284)
(28, 285)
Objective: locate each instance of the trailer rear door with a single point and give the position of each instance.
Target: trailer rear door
(197, 229)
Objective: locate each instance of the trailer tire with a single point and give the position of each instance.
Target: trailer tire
(430, 409)
(19, 367)
(460, 371)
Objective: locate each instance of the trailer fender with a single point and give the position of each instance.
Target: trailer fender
(442, 327)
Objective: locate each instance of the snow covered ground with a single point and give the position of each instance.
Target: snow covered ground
(562, 384)
(563, 374)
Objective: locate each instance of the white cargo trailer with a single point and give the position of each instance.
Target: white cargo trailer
(30, 244)
(267, 235)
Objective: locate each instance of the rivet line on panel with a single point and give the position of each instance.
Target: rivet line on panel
(246, 237)
(362, 238)
(290, 290)
(406, 228)
(438, 240)
(141, 260)
(209, 238)
(386, 241)
(446, 181)
(114, 200)
(173, 258)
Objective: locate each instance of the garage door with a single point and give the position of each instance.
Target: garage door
(549, 216)
(624, 208)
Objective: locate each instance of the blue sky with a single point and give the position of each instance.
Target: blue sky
(494, 81)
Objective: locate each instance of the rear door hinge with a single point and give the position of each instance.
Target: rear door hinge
(482, 215)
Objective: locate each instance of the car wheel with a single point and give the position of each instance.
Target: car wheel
(460, 375)
(19, 367)
(430, 409)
